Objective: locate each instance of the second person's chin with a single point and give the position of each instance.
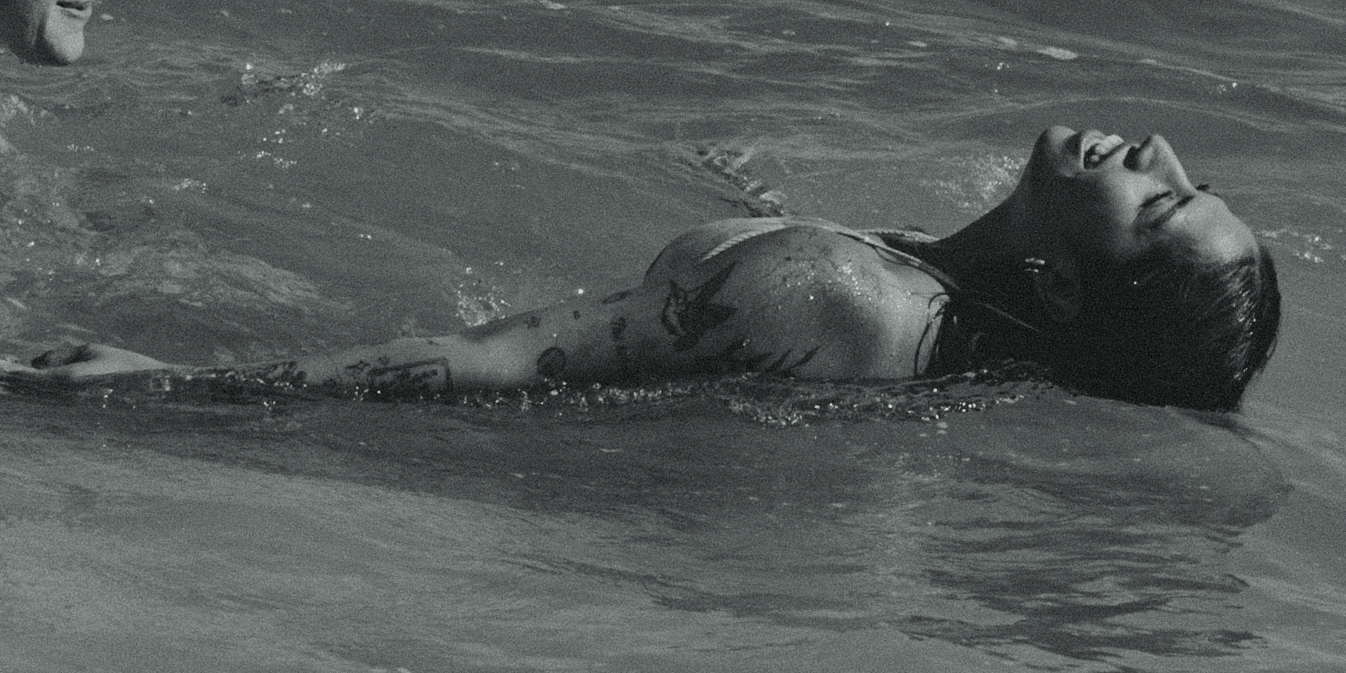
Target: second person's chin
(62, 43)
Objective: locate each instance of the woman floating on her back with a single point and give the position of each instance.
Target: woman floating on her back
(1105, 265)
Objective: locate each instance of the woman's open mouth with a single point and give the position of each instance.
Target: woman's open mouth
(1097, 148)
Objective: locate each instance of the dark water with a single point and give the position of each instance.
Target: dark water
(217, 183)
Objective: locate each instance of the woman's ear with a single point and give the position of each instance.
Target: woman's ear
(1058, 287)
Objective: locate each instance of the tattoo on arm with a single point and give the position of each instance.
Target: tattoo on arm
(689, 314)
(422, 378)
(785, 363)
(616, 297)
(552, 363)
(781, 366)
(618, 330)
(419, 379)
(285, 375)
(236, 382)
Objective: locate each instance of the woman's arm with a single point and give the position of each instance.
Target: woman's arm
(572, 340)
(752, 295)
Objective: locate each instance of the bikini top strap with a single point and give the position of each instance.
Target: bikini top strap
(877, 239)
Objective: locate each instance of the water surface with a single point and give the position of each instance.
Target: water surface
(218, 183)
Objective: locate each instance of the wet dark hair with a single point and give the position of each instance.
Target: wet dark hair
(1163, 328)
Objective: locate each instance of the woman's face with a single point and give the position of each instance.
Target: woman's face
(46, 30)
(1091, 194)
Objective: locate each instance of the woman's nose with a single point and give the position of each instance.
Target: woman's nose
(1156, 157)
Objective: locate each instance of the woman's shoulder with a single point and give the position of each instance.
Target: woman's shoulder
(720, 238)
(711, 239)
(835, 302)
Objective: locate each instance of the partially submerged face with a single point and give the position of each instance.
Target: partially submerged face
(1095, 196)
(45, 31)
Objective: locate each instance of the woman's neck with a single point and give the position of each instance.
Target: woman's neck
(989, 241)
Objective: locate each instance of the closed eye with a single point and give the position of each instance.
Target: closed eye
(1158, 220)
(1148, 203)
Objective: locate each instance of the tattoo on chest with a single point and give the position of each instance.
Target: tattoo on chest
(689, 314)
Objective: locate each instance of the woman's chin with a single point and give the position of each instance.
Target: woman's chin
(64, 52)
(1055, 151)
(62, 38)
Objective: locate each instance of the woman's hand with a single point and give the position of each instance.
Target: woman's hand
(9, 366)
(89, 360)
(68, 369)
